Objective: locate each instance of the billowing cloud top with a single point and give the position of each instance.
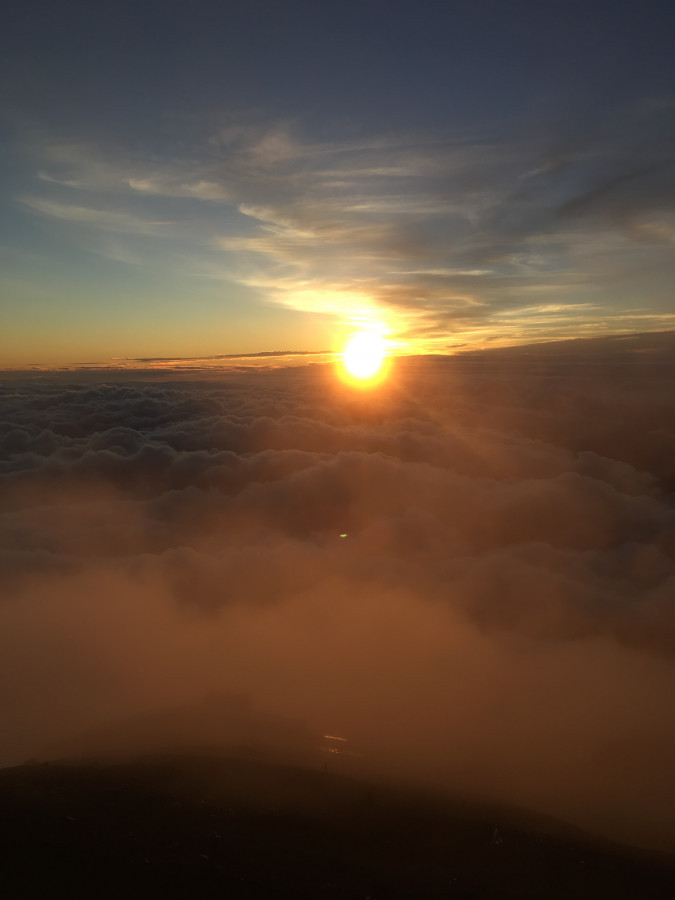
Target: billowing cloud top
(470, 571)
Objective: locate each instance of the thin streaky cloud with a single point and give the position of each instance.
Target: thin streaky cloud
(392, 226)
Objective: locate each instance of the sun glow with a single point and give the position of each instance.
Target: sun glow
(364, 356)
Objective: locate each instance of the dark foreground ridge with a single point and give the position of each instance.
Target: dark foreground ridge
(169, 826)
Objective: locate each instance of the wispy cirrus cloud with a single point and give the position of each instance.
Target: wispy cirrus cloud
(105, 219)
(428, 236)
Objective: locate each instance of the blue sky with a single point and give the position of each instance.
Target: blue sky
(188, 180)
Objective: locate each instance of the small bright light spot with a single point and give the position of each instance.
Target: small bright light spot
(364, 354)
(343, 535)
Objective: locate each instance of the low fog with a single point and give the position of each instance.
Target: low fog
(468, 572)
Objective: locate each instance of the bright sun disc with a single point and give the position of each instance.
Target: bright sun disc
(364, 354)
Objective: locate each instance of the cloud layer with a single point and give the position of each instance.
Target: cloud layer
(499, 616)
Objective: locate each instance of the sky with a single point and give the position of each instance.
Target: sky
(187, 181)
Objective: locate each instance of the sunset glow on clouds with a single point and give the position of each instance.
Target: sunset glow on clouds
(337, 365)
(469, 572)
(446, 242)
(454, 185)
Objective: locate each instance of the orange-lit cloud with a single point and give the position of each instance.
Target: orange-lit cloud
(498, 618)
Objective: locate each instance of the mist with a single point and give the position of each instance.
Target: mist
(468, 572)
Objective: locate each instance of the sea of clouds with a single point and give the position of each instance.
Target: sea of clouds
(469, 571)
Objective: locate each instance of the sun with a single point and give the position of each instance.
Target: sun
(364, 356)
